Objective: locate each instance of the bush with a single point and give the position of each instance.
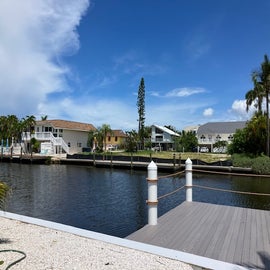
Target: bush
(261, 165)
(242, 160)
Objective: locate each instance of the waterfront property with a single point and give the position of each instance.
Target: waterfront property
(212, 132)
(60, 136)
(162, 138)
(115, 140)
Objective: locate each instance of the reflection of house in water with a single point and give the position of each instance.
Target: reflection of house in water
(60, 136)
(162, 138)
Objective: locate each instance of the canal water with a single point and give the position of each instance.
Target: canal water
(112, 201)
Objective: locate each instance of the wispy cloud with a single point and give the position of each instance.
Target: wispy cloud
(185, 92)
(35, 34)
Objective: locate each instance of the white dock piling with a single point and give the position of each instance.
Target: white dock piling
(188, 180)
(152, 202)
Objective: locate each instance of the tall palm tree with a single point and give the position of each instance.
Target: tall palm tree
(28, 124)
(105, 131)
(261, 81)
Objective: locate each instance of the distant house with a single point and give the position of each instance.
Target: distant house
(212, 132)
(60, 136)
(115, 140)
(162, 138)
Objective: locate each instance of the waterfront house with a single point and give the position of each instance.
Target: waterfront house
(162, 138)
(212, 132)
(115, 140)
(60, 136)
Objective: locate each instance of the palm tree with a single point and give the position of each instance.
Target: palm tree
(27, 126)
(105, 131)
(261, 81)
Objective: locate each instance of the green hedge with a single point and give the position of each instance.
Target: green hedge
(259, 165)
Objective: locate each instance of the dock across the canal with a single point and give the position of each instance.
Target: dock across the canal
(235, 235)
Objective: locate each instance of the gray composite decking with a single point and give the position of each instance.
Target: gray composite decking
(231, 234)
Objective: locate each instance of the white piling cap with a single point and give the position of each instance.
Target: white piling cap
(188, 161)
(152, 165)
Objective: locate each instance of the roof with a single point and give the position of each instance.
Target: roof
(167, 130)
(119, 133)
(221, 127)
(71, 125)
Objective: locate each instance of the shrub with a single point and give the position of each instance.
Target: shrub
(261, 165)
(242, 160)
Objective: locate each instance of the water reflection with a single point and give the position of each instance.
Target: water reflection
(112, 201)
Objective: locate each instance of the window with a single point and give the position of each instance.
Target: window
(37, 129)
(116, 138)
(218, 137)
(109, 138)
(69, 144)
(79, 144)
(230, 137)
(48, 129)
(158, 131)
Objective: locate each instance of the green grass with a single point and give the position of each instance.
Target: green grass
(207, 157)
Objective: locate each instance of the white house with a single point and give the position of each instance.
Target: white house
(212, 132)
(162, 138)
(60, 136)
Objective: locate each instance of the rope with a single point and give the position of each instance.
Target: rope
(232, 191)
(170, 193)
(171, 175)
(231, 173)
(17, 261)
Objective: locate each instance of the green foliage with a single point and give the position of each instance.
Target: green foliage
(251, 139)
(187, 141)
(4, 189)
(131, 141)
(242, 160)
(35, 144)
(141, 112)
(220, 144)
(261, 165)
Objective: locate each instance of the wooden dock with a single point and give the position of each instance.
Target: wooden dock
(230, 234)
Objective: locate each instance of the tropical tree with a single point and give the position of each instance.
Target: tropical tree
(261, 81)
(131, 140)
(101, 135)
(43, 118)
(27, 126)
(187, 141)
(141, 112)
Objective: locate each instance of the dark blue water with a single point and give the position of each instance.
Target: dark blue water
(112, 201)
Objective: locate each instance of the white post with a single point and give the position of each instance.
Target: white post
(188, 180)
(152, 193)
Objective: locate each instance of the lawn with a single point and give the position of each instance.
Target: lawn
(207, 157)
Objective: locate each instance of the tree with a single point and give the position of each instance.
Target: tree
(102, 134)
(131, 140)
(187, 141)
(261, 81)
(44, 118)
(141, 112)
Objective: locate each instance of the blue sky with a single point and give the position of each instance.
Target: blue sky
(83, 60)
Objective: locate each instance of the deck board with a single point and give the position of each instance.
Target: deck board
(231, 234)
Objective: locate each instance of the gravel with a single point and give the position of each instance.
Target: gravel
(52, 249)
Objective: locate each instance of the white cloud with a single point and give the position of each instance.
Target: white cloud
(184, 92)
(239, 110)
(35, 34)
(208, 112)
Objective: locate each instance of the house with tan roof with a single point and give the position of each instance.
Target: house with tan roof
(115, 140)
(61, 136)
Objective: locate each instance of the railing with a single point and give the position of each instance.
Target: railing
(152, 180)
(46, 136)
